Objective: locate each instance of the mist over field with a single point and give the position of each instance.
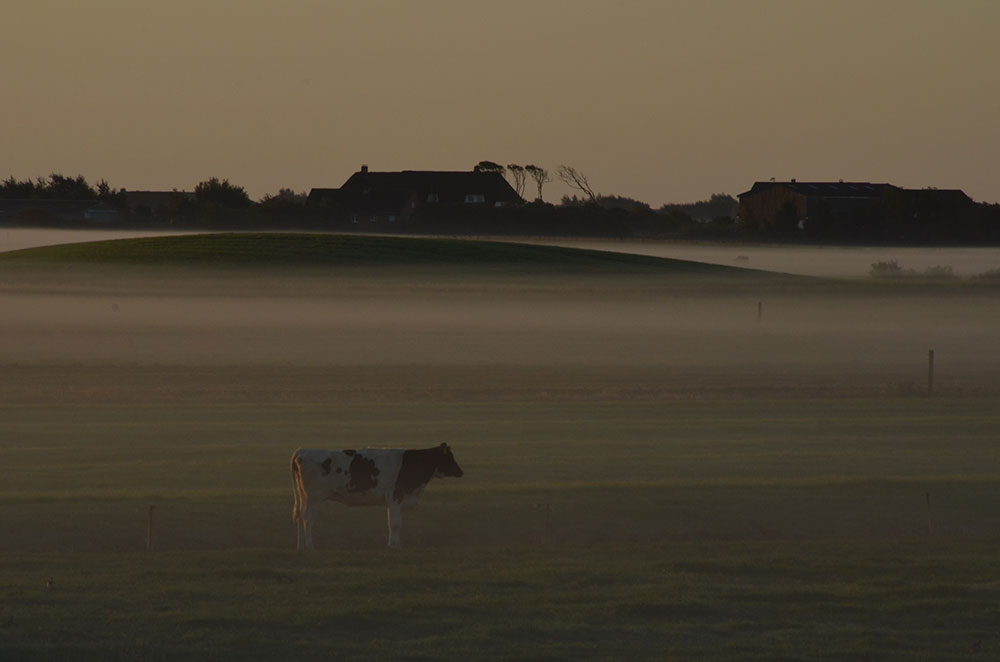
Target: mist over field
(12, 239)
(824, 261)
(871, 337)
(651, 451)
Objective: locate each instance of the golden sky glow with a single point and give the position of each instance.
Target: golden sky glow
(661, 101)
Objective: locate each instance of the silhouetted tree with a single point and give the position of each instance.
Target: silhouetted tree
(577, 180)
(14, 188)
(59, 187)
(111, 196)
(540, 175)
(285, 208)
(284, 196)
(518, 174)
(69, 188)
(720, 205)
(488, 166)
(221, 195)
(608, 202)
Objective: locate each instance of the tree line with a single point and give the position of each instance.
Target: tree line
(219, 204)
(58, 187)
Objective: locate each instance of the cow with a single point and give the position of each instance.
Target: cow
(390, 477)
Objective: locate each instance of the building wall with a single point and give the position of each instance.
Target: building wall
(878, 211)
(761, 208)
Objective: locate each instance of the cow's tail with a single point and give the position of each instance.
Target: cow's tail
(298, 488)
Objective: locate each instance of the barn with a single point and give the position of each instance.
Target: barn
(854, 209)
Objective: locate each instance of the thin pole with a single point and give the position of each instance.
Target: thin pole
(149, 530)
(930, 372)
(930, 528)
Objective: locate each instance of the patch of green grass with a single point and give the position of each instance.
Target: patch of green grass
(568, 473)
(682, 601)
(255, 250)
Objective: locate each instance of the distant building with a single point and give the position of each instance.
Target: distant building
(850, 207)
(102, 212)
(33, 211)
(385, 198)
(155, 203)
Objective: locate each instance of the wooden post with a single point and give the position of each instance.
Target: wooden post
(930, 528)
(930, 372)
(149, 530)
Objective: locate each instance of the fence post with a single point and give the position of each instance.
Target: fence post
(149, 530)
(930, 372)
(930, 527)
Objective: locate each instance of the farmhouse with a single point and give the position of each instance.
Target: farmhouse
(385, 198)
(851, 208)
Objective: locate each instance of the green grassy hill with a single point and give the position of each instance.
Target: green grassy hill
(331, 250)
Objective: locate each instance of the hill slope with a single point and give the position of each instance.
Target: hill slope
(291, 250)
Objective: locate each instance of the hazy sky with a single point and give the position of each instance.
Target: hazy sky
(657, 100)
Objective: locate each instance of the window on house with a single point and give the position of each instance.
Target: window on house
(474, 198)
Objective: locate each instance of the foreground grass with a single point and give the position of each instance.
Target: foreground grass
(576, 474)
(691, 601)
(784, 529)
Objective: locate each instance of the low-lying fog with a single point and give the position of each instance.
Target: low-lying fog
(825, 261)
(887, 335)
(12, 239)
(327, 321)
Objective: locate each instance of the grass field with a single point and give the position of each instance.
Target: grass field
(651, 471)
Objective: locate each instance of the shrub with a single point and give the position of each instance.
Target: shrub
(992, 274)
(889, 269)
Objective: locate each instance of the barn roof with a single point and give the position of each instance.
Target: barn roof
(434, 185)
(826, 189)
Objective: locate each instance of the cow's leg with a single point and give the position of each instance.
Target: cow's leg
(308, 516)
(395, 512)
(301, 531)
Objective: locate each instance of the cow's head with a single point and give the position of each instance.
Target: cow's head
(446, 464)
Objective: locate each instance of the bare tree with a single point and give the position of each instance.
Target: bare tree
(577, 180)
(540, 175)
(520, 176)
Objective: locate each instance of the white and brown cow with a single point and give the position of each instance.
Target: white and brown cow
(390, 477)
